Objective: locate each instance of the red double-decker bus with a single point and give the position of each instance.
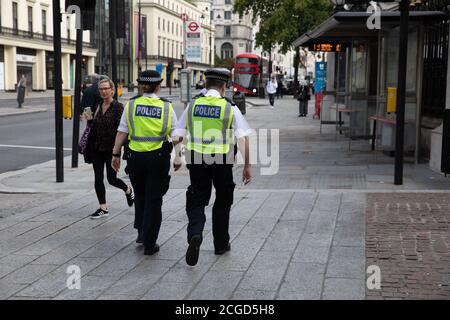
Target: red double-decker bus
(249, 71)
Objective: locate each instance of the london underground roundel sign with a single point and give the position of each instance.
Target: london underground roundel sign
(193, 26)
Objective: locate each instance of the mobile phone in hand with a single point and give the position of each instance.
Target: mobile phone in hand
(88, 113)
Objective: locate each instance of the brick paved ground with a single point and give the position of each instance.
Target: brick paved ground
(408, 237)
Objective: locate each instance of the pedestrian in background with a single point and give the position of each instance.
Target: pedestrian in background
(303, 96)
(147, 123)
(101, 142)
(21, 90)
(280, 87)
(91, 96)
(271, 90)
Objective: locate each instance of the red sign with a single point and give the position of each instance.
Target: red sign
(193, 26)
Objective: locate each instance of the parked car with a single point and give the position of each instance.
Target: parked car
(200, 84)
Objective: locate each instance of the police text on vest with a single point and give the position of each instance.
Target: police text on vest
(207, 111)
(148, 111)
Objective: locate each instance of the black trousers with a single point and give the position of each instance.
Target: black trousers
(272, 98)
(149, 175)
(303, 107)
(99, 161)
(197, 198)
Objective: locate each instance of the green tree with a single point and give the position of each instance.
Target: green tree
(283, 21)
(223, 63)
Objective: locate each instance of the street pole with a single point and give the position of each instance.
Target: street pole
(130, 32)
(400, 119)
(139, 31)
(59, 141)
(76, 106)
(112, 35)
(184, 44)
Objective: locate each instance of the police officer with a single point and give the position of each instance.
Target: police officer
(147, 123)
(211, 121)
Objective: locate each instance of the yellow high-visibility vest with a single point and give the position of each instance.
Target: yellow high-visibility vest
(148, 123)
(209, 122)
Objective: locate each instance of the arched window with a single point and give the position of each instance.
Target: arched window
(227, 51)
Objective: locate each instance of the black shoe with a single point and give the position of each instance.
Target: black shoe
(219, 252)
(100, 213)
(193, 250)
(152, 250)
(130, 197)
(140, 238)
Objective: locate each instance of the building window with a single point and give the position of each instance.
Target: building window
(164, 25)
(168, 26)
(164, 48)
(227, 31)
(30, 20)
(15, 17)
(173, 32)
(44, 23)
(227, 15)
(227, 51)
(159, 47)
(227, 1)
(159, 23)
(68, 29)
(172, 50)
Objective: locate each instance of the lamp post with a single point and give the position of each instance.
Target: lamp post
(203, 17)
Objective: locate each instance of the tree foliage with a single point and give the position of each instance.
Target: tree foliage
(223, 63)
(283, 21)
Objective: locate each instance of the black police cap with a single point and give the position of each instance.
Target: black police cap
(149, 77)
(220, 74)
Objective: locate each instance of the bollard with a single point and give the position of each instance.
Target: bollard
(67, 107)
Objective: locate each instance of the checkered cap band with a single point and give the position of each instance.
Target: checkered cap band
(149, 79)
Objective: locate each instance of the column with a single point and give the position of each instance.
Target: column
(39, 72)
(65, 64)
(90, 65)
(10, 68)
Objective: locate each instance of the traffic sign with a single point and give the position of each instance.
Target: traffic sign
(193, 26)
(184, 17)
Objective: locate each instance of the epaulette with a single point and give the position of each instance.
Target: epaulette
(136, 96)
(165, 99)
(200, 95)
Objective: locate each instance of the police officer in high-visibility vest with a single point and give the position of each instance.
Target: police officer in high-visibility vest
(147, 123)
(211, 122)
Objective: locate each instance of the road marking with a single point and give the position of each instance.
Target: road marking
(31, 147)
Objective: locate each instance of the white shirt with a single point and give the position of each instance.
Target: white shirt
(240, 125)
(272, 87)
(123, 126)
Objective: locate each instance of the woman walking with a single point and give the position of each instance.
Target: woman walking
(101, 142)
(271, 90)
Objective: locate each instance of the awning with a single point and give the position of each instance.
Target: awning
(344, 26)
